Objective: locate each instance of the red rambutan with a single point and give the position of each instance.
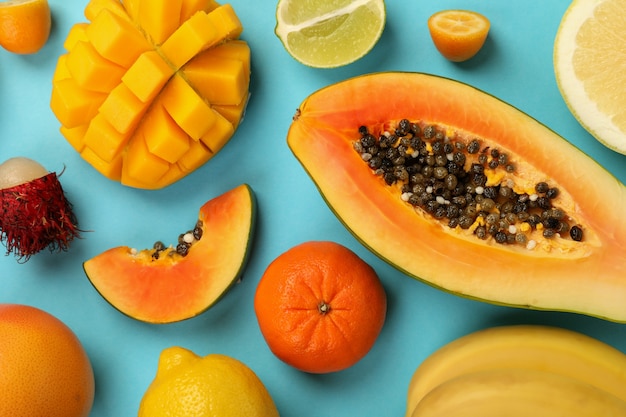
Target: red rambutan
(35, 214)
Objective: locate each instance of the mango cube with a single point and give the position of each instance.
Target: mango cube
(187, 108)
(122, 109)
(159, 18)
(163, 136)
(94, 7)
(197, 155)
(103, 139)
(132, 8)
(111, 170)
(189, 7)
(147, 76)
(116, 39)
(141, 164)
(226, 21)
(193, 36)
(92, 71)
(217, 136)
(73, 105)
(61, 72)
(74, 136)
(220, 80)
(77, 33)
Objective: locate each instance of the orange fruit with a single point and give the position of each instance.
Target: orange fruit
(458, 34)
(320, 307)
(44, 370)
(24, 25)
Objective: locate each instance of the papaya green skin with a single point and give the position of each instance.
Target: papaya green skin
(589, 281)
(143, 289)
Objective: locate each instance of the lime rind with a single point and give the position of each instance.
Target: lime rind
(588, 111)
(339, 33)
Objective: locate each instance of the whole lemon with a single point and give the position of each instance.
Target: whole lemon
(44, 370)
(214, 385)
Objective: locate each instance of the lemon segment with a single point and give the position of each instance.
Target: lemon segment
(590, 63)
(329, 33)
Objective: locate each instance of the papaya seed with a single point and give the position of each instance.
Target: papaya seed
(447, 177)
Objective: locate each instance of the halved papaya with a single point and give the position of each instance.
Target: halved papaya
(454, 187)
(169, 284)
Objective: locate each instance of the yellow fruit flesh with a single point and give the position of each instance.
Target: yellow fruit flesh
(115, 38)
(94, 7)
(147, 76)
(589, 61)
(170, 75)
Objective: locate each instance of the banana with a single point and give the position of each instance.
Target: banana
(537, 347)
(518, 393)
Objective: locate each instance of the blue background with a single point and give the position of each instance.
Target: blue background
(514, 65)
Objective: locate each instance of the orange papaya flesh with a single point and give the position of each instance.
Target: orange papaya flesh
(560, 273)
(185, 55)
(166, 284)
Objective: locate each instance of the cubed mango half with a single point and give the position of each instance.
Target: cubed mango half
(150, 90)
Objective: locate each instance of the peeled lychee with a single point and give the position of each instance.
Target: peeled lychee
(35, 214)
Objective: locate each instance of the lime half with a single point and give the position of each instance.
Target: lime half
(329, 33)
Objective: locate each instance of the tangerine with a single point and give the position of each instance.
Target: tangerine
(320, 307)
(45, 370)
(24, 25)
(458, 34)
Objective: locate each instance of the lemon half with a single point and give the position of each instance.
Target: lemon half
(590, 67)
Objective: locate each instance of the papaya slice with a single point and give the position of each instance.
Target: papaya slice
(168, 284)
(562, 242)
(184, 56)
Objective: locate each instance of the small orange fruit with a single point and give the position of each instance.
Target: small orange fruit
(458, 34)
(320, 307)
(44, 368)
(24, 25)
